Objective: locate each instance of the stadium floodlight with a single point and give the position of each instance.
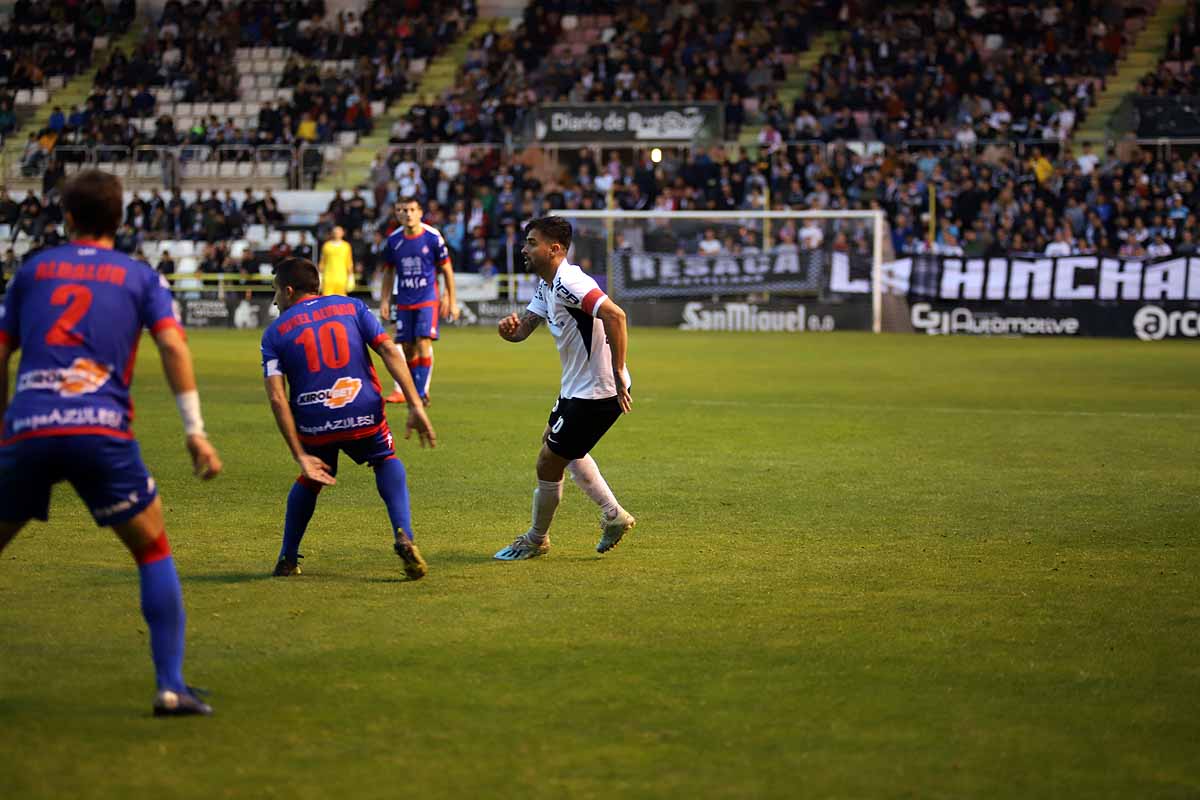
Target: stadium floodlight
(831, 257)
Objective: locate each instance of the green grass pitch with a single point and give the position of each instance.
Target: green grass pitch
(866, 566)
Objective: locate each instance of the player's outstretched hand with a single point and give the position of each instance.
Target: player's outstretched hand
(449, 310)
(508, 326)
(418, 421)
(385, 310)
(317, 470)
(205, 461)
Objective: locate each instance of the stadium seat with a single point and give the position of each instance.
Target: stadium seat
(256, 233)
(23, 97)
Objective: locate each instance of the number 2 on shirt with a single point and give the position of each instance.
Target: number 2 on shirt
(77, 299)
(334, 350)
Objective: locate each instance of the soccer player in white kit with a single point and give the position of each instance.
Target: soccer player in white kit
(589, 331)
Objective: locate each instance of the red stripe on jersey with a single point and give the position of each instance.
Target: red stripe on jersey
(426, 304)
(167, 322)
(8, 340)
(77, 430)
(446, 263)
(343, 437)
(416, 235)
(590, 300)
(380, 339)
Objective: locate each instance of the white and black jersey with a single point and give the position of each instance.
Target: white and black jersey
(569, 305)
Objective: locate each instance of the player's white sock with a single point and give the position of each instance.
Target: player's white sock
(587, 477)
(545, 503)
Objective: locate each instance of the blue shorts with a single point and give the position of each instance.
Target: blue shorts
(367, 450)
(107, 474)
(416, 323)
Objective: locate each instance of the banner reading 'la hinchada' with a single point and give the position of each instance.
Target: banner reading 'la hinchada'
(629, 122)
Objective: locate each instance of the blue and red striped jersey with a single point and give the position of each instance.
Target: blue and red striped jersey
(320, 346)
(76, 313)
(416, 261)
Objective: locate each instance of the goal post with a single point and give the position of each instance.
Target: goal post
(831, 258)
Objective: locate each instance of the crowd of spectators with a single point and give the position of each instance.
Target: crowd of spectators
(1178, 72)
(663, 50)
(962, 70)
(191, 50)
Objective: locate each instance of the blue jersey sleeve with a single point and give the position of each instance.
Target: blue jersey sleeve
(157, 309)
(270, 354)
(369, 324)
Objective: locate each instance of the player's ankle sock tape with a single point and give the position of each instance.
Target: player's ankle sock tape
(157, 550)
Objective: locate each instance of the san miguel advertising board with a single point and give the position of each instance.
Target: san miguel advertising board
(1149, 299)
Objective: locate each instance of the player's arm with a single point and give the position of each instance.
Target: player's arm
(385, 289)
(617, 332)
(449, 299)
(6, 351)
(518, 327)
(181, 377)
(396, 364)
(312, 467)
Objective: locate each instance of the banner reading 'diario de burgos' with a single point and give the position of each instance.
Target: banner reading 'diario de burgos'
(1050, 296)
(629, 122)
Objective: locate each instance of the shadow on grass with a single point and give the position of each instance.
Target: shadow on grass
(225, 577)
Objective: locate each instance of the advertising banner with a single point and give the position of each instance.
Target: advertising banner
(644, 275)
(1033, 295)
(775, 317)
(628, 122)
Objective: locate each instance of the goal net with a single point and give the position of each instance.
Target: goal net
(738, 270)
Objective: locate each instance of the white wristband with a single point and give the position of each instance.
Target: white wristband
(189, 412)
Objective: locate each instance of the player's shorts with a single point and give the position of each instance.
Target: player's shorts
(416, 323)
(107, 474)
(576, 424)
(366, 450)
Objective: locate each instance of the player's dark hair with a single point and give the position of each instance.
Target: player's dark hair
(95, 201)
(298, 273)
(556, 229)
(412, 198)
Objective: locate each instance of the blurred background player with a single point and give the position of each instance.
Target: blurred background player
(337, 264)
(76, 312)
(333, 402)
(590, 334)
(412, 258)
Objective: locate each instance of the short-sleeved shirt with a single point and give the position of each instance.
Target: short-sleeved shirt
(569, 305)
(336, 264)
(320, 346)
(77, 313)
(415, 260)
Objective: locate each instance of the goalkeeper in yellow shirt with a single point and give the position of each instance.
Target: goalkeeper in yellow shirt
(337, 264)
